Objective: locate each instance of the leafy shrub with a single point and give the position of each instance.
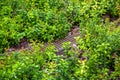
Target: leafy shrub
(47, 20)
(114, 8)
(98, 43)
(38, 20)
(36, 64)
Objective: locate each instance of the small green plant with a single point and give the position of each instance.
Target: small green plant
(98, 43)
(47, 20)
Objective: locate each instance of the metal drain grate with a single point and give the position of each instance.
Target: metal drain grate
(68, 38)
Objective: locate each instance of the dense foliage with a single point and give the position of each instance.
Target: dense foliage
(47, 20)
(39, 20)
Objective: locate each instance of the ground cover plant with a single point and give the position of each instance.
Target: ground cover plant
(96, 56)
(37, 20)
